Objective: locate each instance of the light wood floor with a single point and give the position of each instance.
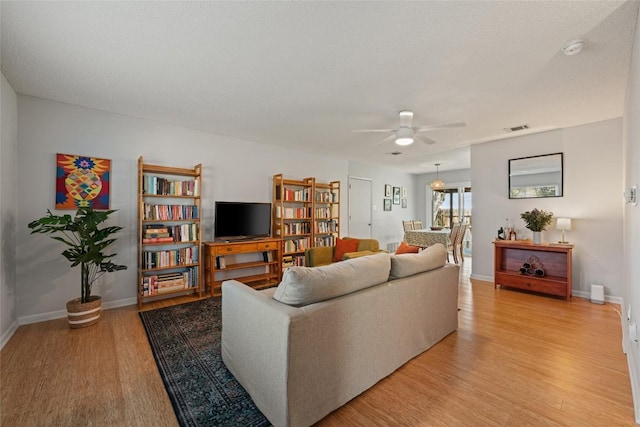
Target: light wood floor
(516, 360)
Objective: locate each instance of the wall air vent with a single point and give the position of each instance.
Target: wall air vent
(516, 128)
(395, 153)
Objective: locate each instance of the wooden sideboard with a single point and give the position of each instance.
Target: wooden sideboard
(220, 257)
(509, 257)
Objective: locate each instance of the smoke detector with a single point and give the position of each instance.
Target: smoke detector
(573, 47)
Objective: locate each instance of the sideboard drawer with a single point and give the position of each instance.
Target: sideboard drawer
(532, 283)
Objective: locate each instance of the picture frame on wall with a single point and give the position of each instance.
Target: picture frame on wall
(396, 195)
(82, 181)
(387, 204)
(404, 203)
(387, 190)
(404, 192)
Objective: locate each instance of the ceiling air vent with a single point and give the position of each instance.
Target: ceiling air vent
(516, 128)
(395, 153)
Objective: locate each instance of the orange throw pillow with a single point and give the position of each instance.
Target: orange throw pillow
(404, 248)
(344, 246)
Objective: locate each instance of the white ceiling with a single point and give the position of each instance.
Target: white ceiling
(306, 74)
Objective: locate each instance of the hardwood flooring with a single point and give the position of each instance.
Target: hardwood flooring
(517, 359)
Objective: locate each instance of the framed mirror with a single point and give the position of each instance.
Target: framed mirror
(536, 176)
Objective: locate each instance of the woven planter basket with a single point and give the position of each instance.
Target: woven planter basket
(82, 315)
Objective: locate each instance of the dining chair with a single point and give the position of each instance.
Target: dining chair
(417, 224)
(452, 239)
(407, 225)
(458, 241)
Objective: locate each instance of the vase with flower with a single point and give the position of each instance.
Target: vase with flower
(537, 221)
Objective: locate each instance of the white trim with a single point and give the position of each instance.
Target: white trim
(635, 387)
(587, 295)
(9, 333)
(58, 314)
(480, 277)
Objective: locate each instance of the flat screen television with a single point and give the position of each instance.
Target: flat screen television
(242, 220)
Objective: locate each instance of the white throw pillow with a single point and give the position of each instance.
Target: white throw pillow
(306, 285)
(404, 265)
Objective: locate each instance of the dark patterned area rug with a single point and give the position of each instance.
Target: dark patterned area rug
(185, 340)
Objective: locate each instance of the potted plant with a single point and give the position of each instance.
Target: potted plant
(536, 220)
(86, 243)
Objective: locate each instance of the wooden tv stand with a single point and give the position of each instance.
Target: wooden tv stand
(509, 257)
(268, 254)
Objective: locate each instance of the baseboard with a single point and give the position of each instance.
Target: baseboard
(51, 315)
(635, 387)
(480, 277)
(8, 334)
(608, 298)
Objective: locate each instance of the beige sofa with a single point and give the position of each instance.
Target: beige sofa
(327, 334)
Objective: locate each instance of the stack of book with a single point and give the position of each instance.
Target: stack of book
(159, 284)
(156, 233)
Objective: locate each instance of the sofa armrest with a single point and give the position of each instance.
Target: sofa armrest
(321, 255)
(255, 346)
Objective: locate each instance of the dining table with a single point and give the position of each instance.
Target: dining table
(427, 237)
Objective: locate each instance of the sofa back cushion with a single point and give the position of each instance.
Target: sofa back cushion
(344, 246)
(406, 248)
(404, 265)
(306, 285)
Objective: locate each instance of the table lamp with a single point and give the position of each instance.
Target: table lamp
(563, 224)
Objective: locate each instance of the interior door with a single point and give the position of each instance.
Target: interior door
(360, 208)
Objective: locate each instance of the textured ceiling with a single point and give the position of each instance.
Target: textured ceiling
(306, 74)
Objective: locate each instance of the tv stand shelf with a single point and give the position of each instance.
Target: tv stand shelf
(220, 257)
(556, 263)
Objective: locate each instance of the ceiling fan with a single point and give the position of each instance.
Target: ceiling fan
(406, 135)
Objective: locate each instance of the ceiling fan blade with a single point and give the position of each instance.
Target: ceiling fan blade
(387, 139)
(440, 126)
(427, 141)
(373, 130)
(406, 118)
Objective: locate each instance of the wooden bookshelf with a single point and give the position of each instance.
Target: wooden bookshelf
(305, 214)
(169, 233)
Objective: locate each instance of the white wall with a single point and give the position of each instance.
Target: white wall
(592, 198)
(631, 272)
(233, 170)
(8, 209)
(387, 225)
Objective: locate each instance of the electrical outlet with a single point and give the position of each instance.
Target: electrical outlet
(633, 332)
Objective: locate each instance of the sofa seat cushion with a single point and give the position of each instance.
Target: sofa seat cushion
(404, 265)
(306, 285)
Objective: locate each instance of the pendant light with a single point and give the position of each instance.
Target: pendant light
(437, 184)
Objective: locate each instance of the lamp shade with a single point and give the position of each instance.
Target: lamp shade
(563, 224)
(437, 184)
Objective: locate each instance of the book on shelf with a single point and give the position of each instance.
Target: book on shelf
(221, 262)
(167, 239)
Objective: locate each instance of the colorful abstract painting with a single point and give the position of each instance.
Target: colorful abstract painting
(82, 181)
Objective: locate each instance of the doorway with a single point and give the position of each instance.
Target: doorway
(360, 207)
(453, 205)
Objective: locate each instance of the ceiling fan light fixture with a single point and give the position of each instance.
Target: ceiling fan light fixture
(404, 141)
(404, 136)
(437, 184)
